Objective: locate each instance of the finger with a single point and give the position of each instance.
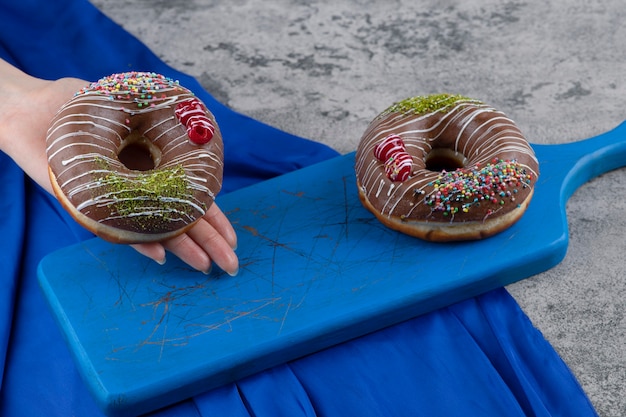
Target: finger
(185, 248)
(216, 218)
(213, 242)
(154, 251)
(201, 245)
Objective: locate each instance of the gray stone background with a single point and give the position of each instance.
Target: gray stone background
(323, 69)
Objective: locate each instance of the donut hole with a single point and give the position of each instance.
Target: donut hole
(139, 153)
(444, 159)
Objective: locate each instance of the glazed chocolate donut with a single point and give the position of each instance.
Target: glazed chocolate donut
(445, 168)
(135, 157)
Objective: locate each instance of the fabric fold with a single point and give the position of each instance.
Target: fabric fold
(276, 392)
(424, 366)
(12, 207)
(543, 384)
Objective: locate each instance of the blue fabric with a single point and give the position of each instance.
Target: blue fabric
(480, 357)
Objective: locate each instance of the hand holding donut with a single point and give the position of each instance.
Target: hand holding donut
(29, 105)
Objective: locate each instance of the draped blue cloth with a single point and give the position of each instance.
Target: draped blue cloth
(480, 357)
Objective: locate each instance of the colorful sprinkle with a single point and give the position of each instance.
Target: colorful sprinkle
(465, 188)
(139, 87)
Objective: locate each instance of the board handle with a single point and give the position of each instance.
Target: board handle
(573, 164)
(563, 169)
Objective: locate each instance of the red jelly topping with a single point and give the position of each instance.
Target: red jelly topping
(191, 114)
(388, 147)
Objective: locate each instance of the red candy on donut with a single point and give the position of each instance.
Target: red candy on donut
(191, 114)
(392, 152)
(398, 166)
(388, 147)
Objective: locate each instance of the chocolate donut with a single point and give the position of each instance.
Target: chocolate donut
(135, 157)
(445, 168)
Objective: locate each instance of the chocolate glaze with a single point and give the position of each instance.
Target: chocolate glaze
(488, 143)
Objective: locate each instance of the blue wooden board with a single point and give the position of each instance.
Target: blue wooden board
(317, 269)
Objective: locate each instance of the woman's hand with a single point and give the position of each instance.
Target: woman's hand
(28, 106)
(211, 239)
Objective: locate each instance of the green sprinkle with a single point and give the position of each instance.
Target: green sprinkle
(168, 189)
(165, 183)
(427, 104)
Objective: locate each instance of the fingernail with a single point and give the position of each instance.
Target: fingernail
(161, 262)
(233, 274)
(208, 271)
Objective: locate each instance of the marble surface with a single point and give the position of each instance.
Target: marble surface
(324, 69)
